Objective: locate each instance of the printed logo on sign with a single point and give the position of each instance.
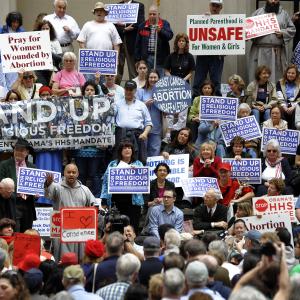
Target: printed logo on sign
(56, 219)
(261, 205)
(249, 23)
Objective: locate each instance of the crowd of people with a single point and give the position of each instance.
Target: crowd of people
(161, 245)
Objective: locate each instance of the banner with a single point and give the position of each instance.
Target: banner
(261, 25)
(198, 186)
(26, 50)
(78, 224)
(218, 108)
(58, 123)
(216, 34)
(247, 127)
(171, 94)
(179, 166)
(103, 61)
(274, 205)
(123, 13)
(55, 223)
(288, 139)
(247, 170)
(31, 181)
(132, 180)
(42, 222)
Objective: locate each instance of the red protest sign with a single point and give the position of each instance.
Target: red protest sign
(25, 244)
(78, 224)
(55, 224)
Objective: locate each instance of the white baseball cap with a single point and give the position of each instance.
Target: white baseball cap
(220, 2)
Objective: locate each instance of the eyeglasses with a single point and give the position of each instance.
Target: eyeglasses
(68, 60)
(162, 170)
(271, 150)
(168, 197)
(28, 77)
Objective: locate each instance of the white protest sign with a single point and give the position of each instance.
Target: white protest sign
(26, 50)
(261, 25)
(198, 186)
(275, 205)
(216, 34)
(42, 222)
(179, 166)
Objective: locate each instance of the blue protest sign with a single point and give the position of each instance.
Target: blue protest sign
(103, 61)
(198, 186)
(218, 108)
(31, 181)
(128, 180)
(288, 139)
(171, 94)
(247, 128)
(123, 13)
(247, 170)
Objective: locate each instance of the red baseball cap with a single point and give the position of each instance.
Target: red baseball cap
(225, 166)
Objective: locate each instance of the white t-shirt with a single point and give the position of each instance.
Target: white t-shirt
(100, 36)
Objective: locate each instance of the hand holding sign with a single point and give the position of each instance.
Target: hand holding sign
(49, 179)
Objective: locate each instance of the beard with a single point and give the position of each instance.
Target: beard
(272, 7)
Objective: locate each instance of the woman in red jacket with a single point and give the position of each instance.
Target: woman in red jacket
(206, 164)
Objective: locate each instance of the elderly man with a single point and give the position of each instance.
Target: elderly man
(166, 213)
(270, 50)
(68, 193)
(128, 33)
(66, 28)
(148, 31)
(173, 284)
(133, 121)
(210, 215)
(25, 209)
(127, 269)
(209, 64)
(7, 199)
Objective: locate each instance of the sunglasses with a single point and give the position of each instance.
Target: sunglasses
(28, 77)
(273, 151)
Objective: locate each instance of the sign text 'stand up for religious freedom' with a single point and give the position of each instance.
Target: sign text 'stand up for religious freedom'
(216, 34)
(218, 108)
(78, 224)
(123, 13)
(103, 61)
(246, 170)
(172, 94)
(198, 186)
(274, 205)
(31, 181)
(129, 180)
(26, 50)
(248, 128)
(58, 123)
(288, 139)
(261, 25)
(179, 166)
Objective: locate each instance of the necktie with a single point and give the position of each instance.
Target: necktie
(210, 213)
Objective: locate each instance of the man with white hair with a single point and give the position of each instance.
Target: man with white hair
(172, 242)
(127, 269)
(7, 199)
(65, 26)
(173, 284)
(196, 276)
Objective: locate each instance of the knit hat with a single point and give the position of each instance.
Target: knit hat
(45, 88)
(94, 248)
(69, 259)
(30, 261)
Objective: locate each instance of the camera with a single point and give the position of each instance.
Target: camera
(117, 220)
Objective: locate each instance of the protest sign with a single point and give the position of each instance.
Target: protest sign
(216, 34)
(198, 186)
(247, 127)
(42, 222)
(179, 166)
(58, 123)
(171, 94)
(225, 89)
(288, 139)
(123, 13)
(25, 244)
(247, 170)
(31, 181)
(103, 61)
(218, 108)
(274, 205)
(55, 223)
(261, 25)
(129, 180)
(26, 50)
(78, 224)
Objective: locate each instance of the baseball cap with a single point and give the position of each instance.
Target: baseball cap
(30, 261)
(225, 166)
(253, 235)
(33, 278)
(100, 5)
(196, 272)
(220, 2)
(69, 258)
(151, 243)
(130, 84)
(73, 272)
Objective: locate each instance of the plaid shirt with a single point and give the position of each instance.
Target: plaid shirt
(114, 291)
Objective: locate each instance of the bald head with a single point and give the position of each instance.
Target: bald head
(71, 174)
(153, 14)
(210, 262)
(7, 187)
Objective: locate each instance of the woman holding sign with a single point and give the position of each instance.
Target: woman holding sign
(127, 204)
